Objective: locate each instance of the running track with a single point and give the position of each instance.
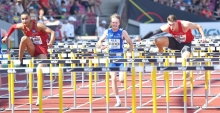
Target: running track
(100, 102)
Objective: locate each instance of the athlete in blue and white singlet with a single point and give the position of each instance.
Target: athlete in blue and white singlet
(115, 45)
(115, 37)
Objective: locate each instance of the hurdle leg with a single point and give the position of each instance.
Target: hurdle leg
(184, 87)
(206, 88)
(107, 87)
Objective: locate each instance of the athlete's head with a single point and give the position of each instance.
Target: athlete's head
(25, 17)
(172, 21)
(115, 21)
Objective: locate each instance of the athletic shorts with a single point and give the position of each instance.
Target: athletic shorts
(175, 45)
(116, 64)
(40, 50)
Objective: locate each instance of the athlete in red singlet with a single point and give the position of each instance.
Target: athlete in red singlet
(182, 36)
(35, 39)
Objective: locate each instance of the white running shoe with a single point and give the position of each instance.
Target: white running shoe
(118, 104)
(37, 103)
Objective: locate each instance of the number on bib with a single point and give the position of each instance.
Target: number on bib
(114, 43)
(181, 38)
(36, 40)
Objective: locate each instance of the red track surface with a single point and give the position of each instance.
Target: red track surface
(101, 102)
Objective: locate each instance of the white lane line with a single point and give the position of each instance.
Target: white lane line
(169, 92)
(111, 94)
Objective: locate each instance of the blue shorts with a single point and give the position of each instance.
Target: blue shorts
(116, 64)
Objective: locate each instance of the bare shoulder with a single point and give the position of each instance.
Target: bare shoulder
(185, 23)
(19, 26)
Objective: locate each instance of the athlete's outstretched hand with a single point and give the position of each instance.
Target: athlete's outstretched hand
(98, 44)
(104, 47)
(203, 40)
(4, 40)
(49, 45)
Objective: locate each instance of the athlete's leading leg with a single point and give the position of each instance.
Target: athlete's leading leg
(41, 56)
(185, 53)
(26, 42)
(115, 88)
(161, 42)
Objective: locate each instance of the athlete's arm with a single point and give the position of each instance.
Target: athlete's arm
(11, 30)
(164, 28)
(4, 34)
(128, 40)
(102, 38)
(49, 31)
(190, 25)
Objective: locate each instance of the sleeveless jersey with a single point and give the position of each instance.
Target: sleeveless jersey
(115, 40)
(181, 36)
(39, 38)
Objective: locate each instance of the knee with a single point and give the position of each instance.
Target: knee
(24, 38)
(121, 77)
(157, 40)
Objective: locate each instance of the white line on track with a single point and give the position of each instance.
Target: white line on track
(169, 92)
(110, 94)
(58, 94)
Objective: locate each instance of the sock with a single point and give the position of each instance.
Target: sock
(117, 98)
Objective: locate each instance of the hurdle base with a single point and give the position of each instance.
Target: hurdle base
(210, 108)
(165, 107)
(36, 109)
(100, 108)
(194, 95)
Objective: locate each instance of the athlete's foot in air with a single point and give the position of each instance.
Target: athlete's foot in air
(118, 104)
(21, 64)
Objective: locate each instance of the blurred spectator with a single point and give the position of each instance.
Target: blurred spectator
(85, 3)
(63, 8)
(34, 3)
(98, 5)
(19, 7)
(69, 31)
(207, 12)
(59, 33)
(74, 10)
(42, 18)
(100, 30)
(33, 13)
(90, 17)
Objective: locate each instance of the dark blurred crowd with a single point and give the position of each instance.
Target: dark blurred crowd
(206, 8)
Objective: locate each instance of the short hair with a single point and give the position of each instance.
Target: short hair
(171, 18)
(25, 13)
(115, 16)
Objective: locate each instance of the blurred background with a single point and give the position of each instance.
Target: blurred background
(87, 19)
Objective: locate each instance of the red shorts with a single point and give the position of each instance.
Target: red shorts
(40, 50)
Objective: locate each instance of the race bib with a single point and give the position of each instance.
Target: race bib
(180, 38)
(114, 43)
(36, 40)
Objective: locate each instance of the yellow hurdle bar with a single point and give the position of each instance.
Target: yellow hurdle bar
(191, 81)
(60, 90)
(9, 84)
(184, 86)
(40, 88)
(107, 86)
(31, 85)
(90, 86)
(12, 88)
(51, 76)
(125, 82)
(166, 77)
(154, 88)
(133, 90)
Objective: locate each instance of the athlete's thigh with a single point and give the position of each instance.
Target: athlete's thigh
(162, 41)
(29, 44)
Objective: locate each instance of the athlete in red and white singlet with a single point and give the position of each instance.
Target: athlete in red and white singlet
(35, 39)
(182, 36)
(39, 39)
